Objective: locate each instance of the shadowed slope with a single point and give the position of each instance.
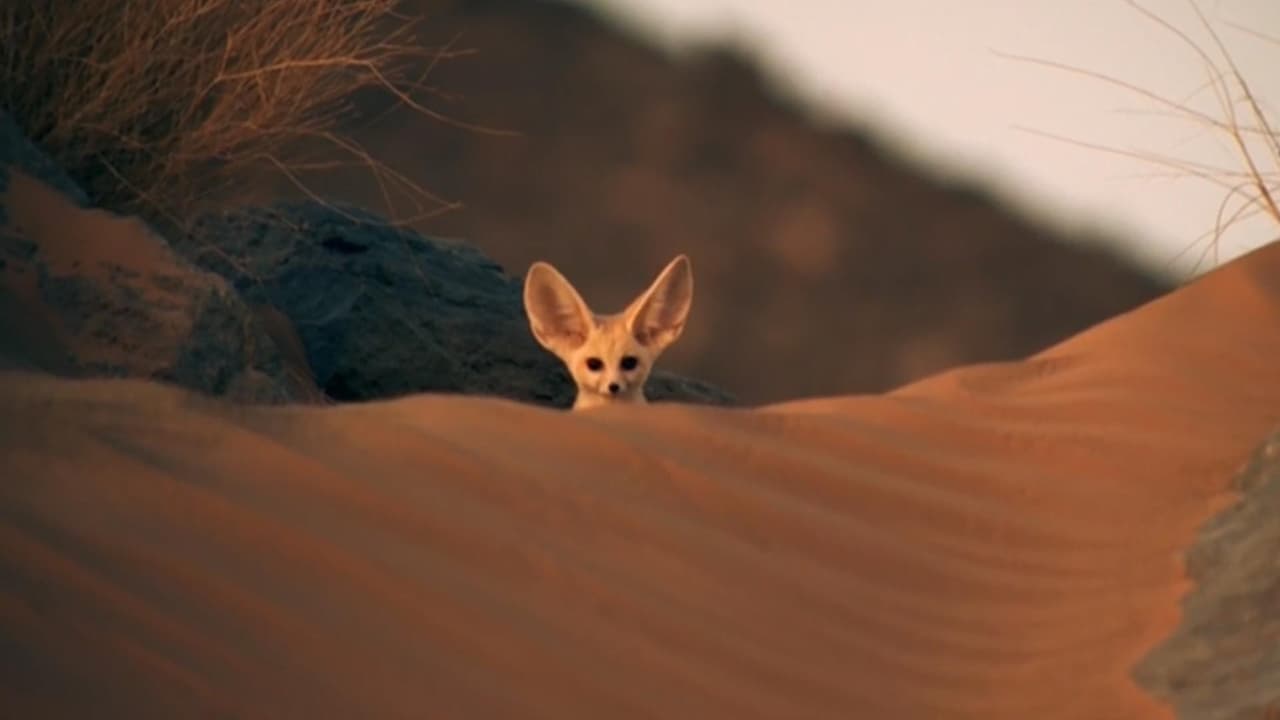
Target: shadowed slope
(821, 247)
(1000, 541)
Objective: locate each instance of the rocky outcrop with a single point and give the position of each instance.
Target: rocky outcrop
(382, 311)
(1223, 661)
(341, 305)
(84, 292)
(17, 152)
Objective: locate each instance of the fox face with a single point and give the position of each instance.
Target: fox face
(608, 356)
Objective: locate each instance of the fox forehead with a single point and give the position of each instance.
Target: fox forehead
(610, 338)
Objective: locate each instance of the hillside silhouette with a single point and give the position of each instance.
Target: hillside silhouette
(824, 262)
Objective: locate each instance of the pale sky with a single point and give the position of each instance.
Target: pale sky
(925, 74)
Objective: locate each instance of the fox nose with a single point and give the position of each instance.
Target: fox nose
(613, 388)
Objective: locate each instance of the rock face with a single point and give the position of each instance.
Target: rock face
(19, 153)
(1223, 662)
(337, 297)
(382, 311)
(87, 293)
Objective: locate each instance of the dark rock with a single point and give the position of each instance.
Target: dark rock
(669, 387)
(17, 152)
(87, 293)
(382, 311)
(1223, 660)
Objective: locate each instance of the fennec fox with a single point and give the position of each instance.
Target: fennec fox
(609, 356)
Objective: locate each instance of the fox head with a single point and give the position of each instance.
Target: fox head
(609, 356)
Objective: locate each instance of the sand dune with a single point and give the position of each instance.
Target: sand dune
(1000, 541)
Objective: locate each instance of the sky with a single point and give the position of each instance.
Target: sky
(934, 79)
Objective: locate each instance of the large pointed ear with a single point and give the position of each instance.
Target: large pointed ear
(560, 320)
(657, 317)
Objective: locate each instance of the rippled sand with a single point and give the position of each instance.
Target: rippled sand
(999, 541)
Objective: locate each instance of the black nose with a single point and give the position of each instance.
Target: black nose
(613, 388)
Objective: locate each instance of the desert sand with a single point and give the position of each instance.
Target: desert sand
(998, 541)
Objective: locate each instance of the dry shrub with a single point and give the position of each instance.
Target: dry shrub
(1250, 189)
(154, 105)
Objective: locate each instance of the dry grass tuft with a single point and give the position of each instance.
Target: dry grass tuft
(1251, 188)
(155, 105)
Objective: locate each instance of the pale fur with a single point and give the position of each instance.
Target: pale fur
(563, 324)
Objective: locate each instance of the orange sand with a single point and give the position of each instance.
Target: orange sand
(1001, 541)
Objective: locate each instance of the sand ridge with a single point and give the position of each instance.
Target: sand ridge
(998, 541)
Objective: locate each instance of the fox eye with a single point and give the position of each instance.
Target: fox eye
(629, 362)
(595, 364)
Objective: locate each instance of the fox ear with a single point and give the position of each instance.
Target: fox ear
(657, 317)
(560, 320)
